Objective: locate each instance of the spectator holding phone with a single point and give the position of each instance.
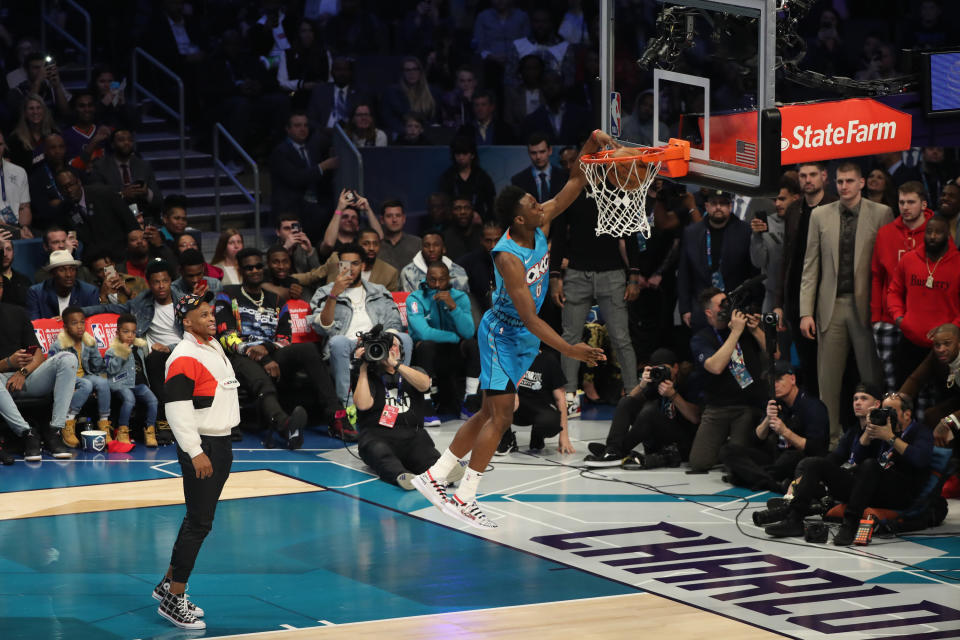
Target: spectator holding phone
(348, 305)
(26, 373)
(115, 287)
(127, 173)
(344, 227)
(766, 241)
(290, 234)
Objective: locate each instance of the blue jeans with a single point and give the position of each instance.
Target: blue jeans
(58, 374)
(130, 396)
(341, 354)
(87, 385)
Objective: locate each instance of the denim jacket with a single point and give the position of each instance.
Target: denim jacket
(90, 360)
(379, 305)
(121, 368)
(142, 307)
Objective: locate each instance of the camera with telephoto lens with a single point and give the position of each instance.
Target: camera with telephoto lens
(376, 344)
(747, 299)
(878, 417)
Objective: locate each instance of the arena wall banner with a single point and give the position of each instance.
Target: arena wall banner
(841, 129)
(812, 132)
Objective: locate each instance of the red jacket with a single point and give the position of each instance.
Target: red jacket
(923, 308)
(893, 241)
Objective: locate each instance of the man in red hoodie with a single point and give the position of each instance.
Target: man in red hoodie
(924, 294)
(894, 240)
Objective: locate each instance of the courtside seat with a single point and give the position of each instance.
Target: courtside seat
(927, 510)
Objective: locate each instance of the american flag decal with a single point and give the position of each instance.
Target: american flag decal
(746, 154)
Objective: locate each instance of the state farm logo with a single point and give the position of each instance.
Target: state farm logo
(808, 137)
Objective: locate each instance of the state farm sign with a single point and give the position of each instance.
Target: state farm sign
(841, 129)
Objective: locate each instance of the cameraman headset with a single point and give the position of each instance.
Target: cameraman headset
(389, 397)
(654, 413)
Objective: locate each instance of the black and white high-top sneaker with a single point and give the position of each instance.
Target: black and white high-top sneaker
(161, 589)
(176, 609)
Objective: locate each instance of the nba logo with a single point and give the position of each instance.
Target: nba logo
(42, 339)
(615, 114)
(99, 334)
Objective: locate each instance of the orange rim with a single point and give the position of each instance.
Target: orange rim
(674, 157)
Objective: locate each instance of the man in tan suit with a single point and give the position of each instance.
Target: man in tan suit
(375, 270)
(835, 288)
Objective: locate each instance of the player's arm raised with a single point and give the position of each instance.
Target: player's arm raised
(514, 279)
(570, 191)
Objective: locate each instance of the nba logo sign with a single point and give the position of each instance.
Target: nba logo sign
(99, 334)
(615, 114)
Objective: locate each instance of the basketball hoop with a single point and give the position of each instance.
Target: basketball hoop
(619, 180)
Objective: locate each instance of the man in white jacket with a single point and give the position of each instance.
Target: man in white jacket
(202, 407)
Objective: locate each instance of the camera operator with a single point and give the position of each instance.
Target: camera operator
(784, 437)
(731, 351)
(390, 400)
(884, 464)
(656, 414)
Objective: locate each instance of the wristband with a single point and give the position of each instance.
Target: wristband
(953, 423)
(331, 297)
(9, 363)
(338, 212)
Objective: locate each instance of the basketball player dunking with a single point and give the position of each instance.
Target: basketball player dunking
(509, 337)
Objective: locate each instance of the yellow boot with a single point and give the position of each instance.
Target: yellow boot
(105, 426)
(150, 436)
(69, 434)
(123, 434)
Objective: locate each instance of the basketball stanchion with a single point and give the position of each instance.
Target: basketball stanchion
(618, 179)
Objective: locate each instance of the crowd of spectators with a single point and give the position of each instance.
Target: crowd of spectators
(860, 257)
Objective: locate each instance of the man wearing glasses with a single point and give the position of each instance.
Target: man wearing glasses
(259, 349)
(884, 463)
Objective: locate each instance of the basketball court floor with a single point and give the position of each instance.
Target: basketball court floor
(307, 544)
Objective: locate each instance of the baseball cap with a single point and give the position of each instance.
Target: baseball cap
(662, 356)
(870, 389)
(189, 302)
(782, 368)
(719, 194)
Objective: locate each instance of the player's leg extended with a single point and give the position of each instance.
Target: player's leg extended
(499, 409)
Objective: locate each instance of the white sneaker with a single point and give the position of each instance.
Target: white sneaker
(468, 512)
(430, 488)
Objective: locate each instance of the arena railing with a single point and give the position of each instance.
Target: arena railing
(178, 114)
(48, 20)
(349, 175)
(218, 165)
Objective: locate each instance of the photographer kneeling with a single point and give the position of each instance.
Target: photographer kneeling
(389, 400)
(656, 414)
(796, 426)
(883, 465)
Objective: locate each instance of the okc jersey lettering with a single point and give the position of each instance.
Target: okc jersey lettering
(536, 261)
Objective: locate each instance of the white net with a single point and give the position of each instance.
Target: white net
(622, 211)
